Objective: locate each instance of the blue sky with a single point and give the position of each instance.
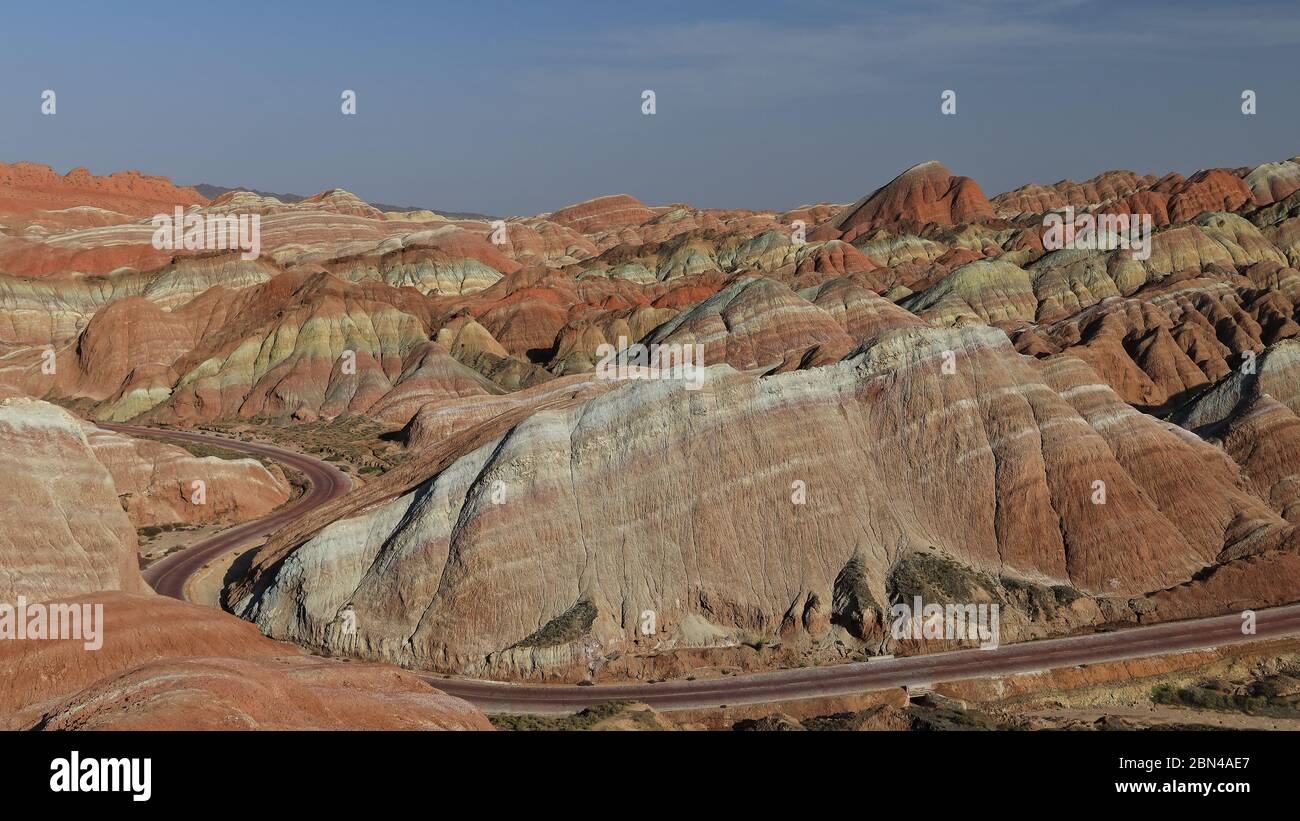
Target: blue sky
(517, 108)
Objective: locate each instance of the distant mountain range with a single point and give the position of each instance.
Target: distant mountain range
(214, 191)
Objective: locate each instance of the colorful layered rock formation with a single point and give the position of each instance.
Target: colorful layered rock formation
(962, 409)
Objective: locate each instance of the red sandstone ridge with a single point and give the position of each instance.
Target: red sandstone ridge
(927, 192)
(26, 187)
(1103, 189)
(1212, 190)
(1175, 198)
(602, 213)
(207, 671)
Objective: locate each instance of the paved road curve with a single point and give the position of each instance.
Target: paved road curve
(169, 576)
(858, 677)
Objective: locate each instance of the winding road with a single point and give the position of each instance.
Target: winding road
(169, 576)
(859, 677)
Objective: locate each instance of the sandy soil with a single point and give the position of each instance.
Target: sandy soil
(1161, 714)
(205, 586)
(153, 549)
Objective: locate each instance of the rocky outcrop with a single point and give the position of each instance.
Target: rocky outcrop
(927, 192)
(1274, 181)
(757, 323)
(602, 213)
(990, 466)
(988, 290)
(1174, 336)
(294, 347)
(65, 531)
(27, 187)
(78, 493)
(1175, 198)
(1101, 190)
(156, 482)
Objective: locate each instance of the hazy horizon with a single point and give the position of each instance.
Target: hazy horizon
(769, 105)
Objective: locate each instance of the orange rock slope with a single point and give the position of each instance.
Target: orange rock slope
(168, 665)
